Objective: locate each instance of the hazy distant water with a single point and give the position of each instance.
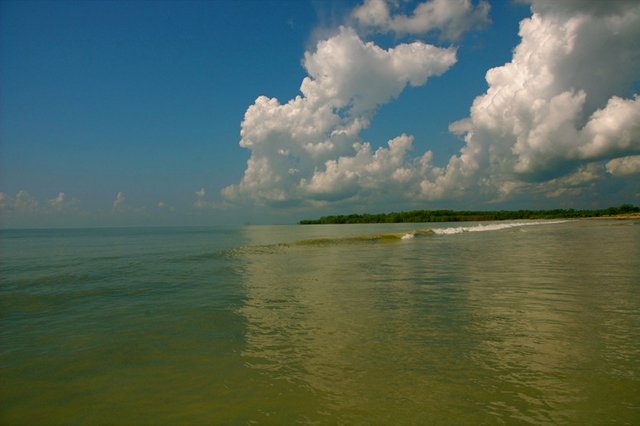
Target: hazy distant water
(278, 325)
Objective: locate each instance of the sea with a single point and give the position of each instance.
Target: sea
(526, 322)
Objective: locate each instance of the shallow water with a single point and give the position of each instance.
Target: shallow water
(518, 323)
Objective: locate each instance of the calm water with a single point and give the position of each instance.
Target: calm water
(528, 324)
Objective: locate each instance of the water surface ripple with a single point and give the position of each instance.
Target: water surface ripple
(526, 323)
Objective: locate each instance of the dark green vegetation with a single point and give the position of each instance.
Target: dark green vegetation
(415, 216)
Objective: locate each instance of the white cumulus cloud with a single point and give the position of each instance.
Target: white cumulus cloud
(549, 121)
(298, 146)
(624, 166)
(58, 202)
(200, 202)
(558, 103)
(24, 202)
(451, 18)
(62, 203)
(164, 206)
(382, 170)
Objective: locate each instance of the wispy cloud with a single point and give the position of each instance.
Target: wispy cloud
(164, 206)
(202, 202)
(119, 205)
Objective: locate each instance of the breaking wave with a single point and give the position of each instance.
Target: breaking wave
(409, 235)
(379, 238)
(490, 227)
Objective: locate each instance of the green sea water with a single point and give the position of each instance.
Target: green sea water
(494, 323)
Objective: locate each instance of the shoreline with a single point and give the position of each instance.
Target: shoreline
(624, 212)
(622, 216)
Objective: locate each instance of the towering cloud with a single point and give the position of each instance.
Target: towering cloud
(559, 103)
(297, 147)
(549, 121)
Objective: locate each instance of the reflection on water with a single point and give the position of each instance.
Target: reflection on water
(527, 325)
(547, 321)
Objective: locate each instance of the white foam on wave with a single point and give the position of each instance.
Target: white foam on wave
(408, 236)
(489, 227)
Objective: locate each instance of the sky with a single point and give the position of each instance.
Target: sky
(128, 113)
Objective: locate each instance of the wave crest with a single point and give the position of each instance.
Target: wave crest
(490, 227)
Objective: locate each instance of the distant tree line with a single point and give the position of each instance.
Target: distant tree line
(416, 216)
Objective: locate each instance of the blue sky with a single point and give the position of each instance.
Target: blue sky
(130, 112)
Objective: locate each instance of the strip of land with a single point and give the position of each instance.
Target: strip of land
(626, 211)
